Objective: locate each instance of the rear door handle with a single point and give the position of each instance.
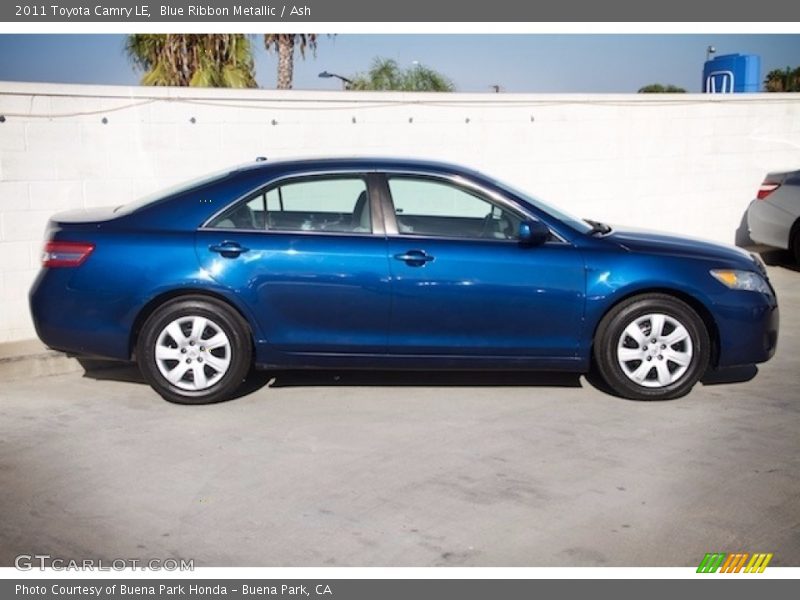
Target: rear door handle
(414, 258)
(228, 249)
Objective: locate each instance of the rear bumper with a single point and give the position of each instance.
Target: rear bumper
(769, 224)
(77, 322)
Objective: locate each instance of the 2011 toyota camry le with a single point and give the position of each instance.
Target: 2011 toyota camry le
(382, 264)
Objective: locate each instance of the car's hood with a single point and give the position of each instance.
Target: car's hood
(661, 243)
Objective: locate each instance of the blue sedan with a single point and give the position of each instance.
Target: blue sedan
(385, 263)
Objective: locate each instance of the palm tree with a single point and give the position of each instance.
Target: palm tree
(775, 81)
(787, 80)
(213, 60)
(386, 74)
(420, 78)
(658, 88)
(285, 44)
(794, 80)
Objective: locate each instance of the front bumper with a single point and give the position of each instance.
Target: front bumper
(748, 325)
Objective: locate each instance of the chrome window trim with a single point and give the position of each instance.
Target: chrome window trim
(457, 180)
(362, 173)
(461, 181)
(361, 234)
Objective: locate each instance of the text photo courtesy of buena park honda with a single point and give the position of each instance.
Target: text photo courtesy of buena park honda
(400, 300)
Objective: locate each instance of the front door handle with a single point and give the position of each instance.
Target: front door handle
(228, 249)
(414, 258)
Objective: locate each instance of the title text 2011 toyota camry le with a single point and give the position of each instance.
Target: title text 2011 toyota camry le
(379, 263)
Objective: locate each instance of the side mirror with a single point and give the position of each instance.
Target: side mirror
(533, 233)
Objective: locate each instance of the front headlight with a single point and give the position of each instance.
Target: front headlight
(741, 280)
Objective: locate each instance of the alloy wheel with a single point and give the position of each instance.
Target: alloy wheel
(193, 353)
(655, 350)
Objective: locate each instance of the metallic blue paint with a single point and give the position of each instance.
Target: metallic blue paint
(345, 300)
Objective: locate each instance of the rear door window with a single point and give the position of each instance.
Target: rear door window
(326, 204)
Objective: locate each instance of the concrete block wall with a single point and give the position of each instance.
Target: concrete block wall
(685, 163)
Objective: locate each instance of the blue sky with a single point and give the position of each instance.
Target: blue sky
(518, 63)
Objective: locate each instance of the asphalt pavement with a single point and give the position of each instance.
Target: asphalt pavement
(407, 469)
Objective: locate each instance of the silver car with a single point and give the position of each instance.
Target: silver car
(773, 218)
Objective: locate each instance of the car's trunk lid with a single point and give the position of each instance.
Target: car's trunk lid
(81, 219)
(86, 216)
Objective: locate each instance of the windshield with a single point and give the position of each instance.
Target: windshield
(174, 189)
(566, 218)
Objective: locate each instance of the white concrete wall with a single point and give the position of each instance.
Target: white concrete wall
(685, 163)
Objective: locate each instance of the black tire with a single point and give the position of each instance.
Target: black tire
(795, 242)
(236, 354)
(609, 337)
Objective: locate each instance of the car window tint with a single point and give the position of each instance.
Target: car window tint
(335, 204)
(339, 204)
(436, 208)
(433, 198)
(250, 215)
(322, 195)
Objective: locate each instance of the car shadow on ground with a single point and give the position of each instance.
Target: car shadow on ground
(729, 375)
(778, 258)
(104, 370)
(128, 372)
(315, 378)
(111, 370)
(711, 377)
(774, 257)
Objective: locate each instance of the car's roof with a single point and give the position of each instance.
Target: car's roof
(370, 163)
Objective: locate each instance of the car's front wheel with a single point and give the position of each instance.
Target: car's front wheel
(652, 347)
(194, 350)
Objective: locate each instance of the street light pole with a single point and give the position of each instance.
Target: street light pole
(345, 81)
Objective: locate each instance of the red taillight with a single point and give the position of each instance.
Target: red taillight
(66, 254)
(766, 189)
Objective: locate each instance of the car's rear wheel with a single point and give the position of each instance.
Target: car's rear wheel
(194, 350)
(795, 242)
(652, 347)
